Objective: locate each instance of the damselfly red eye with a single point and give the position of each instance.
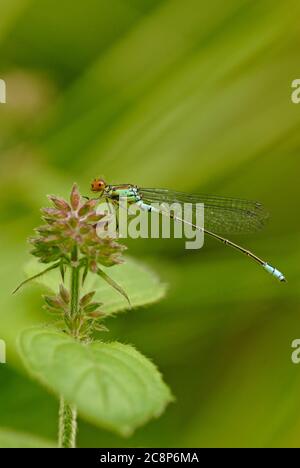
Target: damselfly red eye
(98, 185)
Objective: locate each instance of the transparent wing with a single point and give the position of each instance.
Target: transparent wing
(221, 214)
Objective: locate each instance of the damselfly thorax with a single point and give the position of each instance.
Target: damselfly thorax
(115, 192)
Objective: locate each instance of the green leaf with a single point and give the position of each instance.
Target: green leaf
(140, 283)
(14, 439)
(112, 384)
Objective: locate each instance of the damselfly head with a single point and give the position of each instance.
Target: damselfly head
(98, 185)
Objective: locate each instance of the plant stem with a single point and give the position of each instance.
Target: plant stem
(67, 412)
(74, 287)
(67, 425)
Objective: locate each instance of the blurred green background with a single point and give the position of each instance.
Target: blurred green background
(189, 95)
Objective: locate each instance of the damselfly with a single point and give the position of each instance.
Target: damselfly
(222, 215)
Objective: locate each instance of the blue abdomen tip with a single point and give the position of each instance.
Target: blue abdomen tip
(273, 271)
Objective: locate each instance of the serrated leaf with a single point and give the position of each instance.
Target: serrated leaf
(141, 284)
(112, 384)
(13, 439)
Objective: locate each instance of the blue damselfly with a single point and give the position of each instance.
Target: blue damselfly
(222, 215)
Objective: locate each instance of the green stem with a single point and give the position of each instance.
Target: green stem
(74, 286)
(67, 425)
(67, 412)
